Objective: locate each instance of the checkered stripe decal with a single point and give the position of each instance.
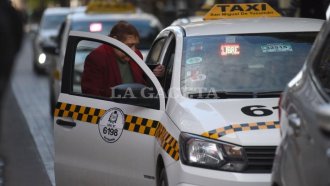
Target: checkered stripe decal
(78, 112)
(132, 123)
(141, 125)
(168, 142)
(220, 132)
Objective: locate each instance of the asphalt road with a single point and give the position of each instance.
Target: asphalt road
(26, 135)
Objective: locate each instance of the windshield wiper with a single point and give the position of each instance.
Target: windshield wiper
(269, 94)
(221, 95)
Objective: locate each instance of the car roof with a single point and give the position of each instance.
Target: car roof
(85, 16)
(252, 25)
(57, 10)
(186, 20)
(139, 15)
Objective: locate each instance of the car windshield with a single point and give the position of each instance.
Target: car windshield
(52, 21)
(244, 65)
(146, 30)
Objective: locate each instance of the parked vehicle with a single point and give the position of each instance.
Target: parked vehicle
(50, 23)
(303, 157)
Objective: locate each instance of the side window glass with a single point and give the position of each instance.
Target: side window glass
(155, 52)
(168, 62)
(322, 67)
(84, 48)
(105, 72)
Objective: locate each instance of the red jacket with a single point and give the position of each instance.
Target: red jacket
(101, 72)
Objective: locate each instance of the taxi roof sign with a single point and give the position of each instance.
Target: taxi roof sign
(115, 6)
(242, 10)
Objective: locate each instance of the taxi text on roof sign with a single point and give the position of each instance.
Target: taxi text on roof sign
(115, 6)
(244, 10)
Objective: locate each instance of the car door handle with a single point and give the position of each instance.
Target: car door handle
(294, 121)
(66, 123)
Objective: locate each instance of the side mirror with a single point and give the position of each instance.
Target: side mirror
(323, 115)
(50, 48)
(53, 39)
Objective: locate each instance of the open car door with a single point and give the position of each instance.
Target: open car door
(102, 140)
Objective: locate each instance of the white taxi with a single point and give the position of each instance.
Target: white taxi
(211, 120)
(99, 18)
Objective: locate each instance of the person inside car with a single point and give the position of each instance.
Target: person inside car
(106, 67)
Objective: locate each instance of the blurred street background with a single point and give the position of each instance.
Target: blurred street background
(169, 10)
(26, 127)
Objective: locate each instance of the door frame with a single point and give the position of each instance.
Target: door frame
(76, 36)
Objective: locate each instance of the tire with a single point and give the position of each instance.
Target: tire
(162, 181)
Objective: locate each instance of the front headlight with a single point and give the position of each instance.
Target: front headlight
(42, 58)
(207, 153)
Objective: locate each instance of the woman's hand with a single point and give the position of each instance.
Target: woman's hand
(159, 70)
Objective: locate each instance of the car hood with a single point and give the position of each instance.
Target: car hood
(246, 122)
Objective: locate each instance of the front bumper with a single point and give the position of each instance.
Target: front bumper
(183, 175)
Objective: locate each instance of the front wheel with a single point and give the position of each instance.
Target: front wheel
(162, 181)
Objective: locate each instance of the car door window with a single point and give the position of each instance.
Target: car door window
(322, 67)
(168, 63)
(109, 125)
(98, 73)
(155, 53)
